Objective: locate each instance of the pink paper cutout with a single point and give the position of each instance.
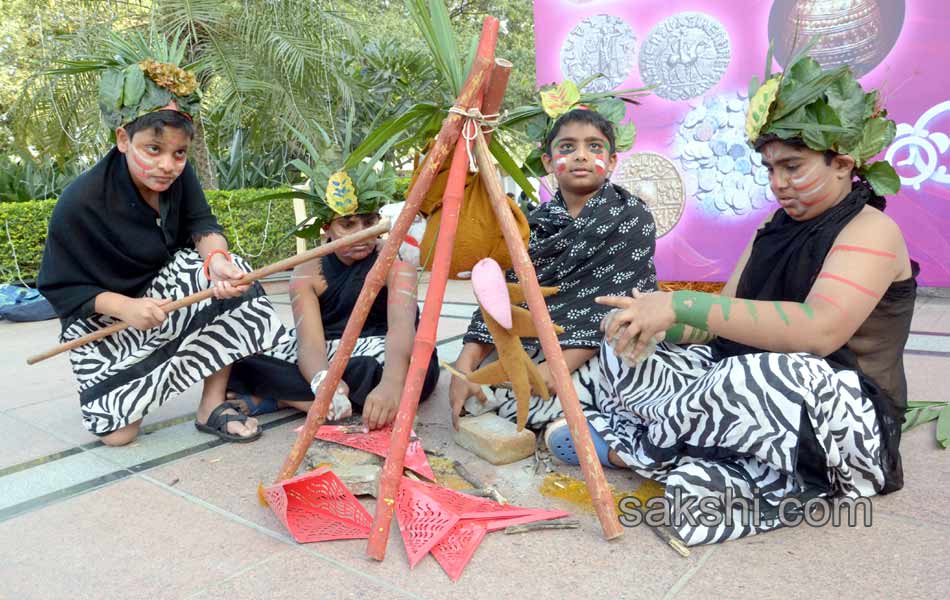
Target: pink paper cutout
(488, 283)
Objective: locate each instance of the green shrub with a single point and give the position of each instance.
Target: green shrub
(242, 218)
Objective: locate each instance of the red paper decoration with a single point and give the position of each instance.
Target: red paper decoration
(317, 507)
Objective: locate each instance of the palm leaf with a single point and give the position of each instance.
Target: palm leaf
(510, 167)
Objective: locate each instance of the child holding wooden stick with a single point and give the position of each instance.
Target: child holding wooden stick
(592, 237)
(323, 294)
(133, 234)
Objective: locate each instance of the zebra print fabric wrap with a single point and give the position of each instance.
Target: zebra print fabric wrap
(702, 427)
(124, 376)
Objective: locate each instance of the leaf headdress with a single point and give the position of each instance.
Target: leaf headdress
(827, 110)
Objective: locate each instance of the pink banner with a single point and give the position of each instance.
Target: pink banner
(707, 189)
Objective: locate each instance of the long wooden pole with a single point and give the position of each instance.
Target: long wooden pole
(428, 323)
(376, 278)
(577, 423)
(282, 265)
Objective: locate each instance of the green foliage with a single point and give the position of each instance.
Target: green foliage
(919, 412)
(243, 218)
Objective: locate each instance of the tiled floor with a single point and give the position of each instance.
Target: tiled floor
(175, 515)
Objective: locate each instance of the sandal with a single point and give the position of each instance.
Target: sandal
(557, 437)
(218, 424)
(268, 404)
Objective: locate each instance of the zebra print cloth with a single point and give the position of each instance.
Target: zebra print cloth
(124, 376)
(540, 411)
(702, 427)
(373, 346)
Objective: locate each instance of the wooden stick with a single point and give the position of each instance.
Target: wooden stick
(277, 267)
(428, 323)
(577, 423)
(376, 278)
(540, 525)
(495, 91)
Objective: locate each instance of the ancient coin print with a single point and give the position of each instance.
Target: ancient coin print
(684, 55)
(599, 44)
(654, 179)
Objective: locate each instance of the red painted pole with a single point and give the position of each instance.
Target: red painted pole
(428, 325)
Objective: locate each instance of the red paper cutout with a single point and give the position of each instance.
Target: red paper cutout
(456, 549)
(451, 524)
(317, 507)
(422, 522)
(378, 443)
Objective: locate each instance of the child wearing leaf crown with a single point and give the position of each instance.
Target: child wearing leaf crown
(131, 235)
(790, 384)
(323, 294)
(592, 238)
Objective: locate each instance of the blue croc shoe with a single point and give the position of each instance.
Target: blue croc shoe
(557, 437)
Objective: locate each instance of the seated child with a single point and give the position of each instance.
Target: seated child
(130, 235)
(593, 238)
(323, 294)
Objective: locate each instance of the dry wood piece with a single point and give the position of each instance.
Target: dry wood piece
(540, 525)
(467, 475)
(666, 534)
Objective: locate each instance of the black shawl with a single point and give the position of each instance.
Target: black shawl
(606, 251)
(104, 237)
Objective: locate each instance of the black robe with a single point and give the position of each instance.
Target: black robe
(103, 237)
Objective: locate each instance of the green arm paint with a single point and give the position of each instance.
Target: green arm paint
(781, 312)
(693, 308)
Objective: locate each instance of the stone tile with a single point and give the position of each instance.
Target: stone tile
(131, 539)
(895, 558)
(22, 384)
(931, 316)
(926, 480)
(928, 377)
(55, 476)
(300, 573)
(23, 442)
(58, 416)
(449, 328)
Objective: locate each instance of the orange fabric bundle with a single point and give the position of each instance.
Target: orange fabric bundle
(479, 235)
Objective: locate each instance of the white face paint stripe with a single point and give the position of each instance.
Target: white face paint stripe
(805, 195)
(600, 163)
(801, 178)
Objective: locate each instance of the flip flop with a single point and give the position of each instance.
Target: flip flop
(557, 437)
(218, 424)
(268, 404)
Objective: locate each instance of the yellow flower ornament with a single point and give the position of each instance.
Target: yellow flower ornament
(558, 99)
(341, 194)
(759, 107)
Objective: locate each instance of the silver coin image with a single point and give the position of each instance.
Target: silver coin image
(655, 180)
(685, 55)
(599, 44)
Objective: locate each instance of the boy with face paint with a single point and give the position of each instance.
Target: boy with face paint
(131, 235)
(789, 383)
(592, 238)
(323, 294)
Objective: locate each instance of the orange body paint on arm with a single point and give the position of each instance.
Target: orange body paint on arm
(846, 281)
(861, 249)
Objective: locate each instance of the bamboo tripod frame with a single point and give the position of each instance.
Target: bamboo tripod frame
(481, 75)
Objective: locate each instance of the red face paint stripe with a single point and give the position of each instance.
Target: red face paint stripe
(846, 248)
(138, 161)
(828, 300)
(846, 281)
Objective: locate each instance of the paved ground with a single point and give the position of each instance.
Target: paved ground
(175, 515)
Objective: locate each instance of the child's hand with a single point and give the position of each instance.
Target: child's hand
(144, 313)
(461, 390)
(224, 277)
(381, 405)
